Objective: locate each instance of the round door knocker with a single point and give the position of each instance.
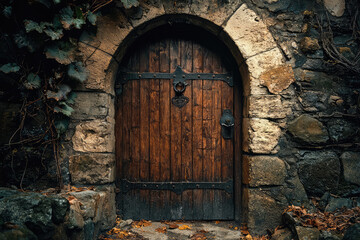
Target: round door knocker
(180, 87)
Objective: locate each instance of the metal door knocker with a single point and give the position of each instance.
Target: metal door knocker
(179, 100)
(227, 123)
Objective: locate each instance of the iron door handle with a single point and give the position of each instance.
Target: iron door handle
(227, 123)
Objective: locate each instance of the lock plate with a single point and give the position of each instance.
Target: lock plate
(227, 123)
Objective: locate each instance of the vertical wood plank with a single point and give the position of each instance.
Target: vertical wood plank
(164, 146)
(218, 195)
(144, 132)
(197, 148)
(209, 153)
(186, 127)
(227, 152)
(154, 66)
(175, 143)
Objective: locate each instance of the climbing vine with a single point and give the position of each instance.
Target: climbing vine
(40, 66)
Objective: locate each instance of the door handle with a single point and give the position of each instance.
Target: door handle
(227, 123)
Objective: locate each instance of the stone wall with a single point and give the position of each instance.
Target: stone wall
(300, 110)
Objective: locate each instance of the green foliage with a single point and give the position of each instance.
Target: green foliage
(62, 52)
(10, 67)
(60, 94)
(130, 3)
(62, 125)
(78, 72)
(64, 108)
(69, 18)
(39, 60)
(32, 82)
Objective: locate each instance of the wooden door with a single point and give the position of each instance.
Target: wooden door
(158, 143)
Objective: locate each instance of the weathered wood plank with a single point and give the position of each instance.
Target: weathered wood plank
(154, 66)
(209, 153)
(164, 146)
(186, 130)
(175, 145)
(227, 152)
(218, 196)
(144, 132)
(197, 148)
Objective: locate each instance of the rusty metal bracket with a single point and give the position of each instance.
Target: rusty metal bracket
(177, 187)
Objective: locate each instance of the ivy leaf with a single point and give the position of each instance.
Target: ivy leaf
(33, 81)
(34, 26)
(62, 52)
(71, 98)
(10, 67)
(91, 18)
(7, 11)
(54, 34)
(64, 109)
(60, 94)
(130, 3)
(61, 125)
(78, 72)
(57, 1)
(67, 18)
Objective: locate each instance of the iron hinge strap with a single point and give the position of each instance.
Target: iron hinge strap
(177, 187)
(178, 76)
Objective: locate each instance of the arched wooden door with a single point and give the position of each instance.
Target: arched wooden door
(173, 161)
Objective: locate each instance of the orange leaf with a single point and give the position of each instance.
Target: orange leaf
(161, 230)
(184, 227)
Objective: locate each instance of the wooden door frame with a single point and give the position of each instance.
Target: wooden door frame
(237, 145)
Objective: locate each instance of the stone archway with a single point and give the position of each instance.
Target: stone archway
(262, 69)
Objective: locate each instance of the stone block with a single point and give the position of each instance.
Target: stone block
(89, 201)
(351, 165)
(295, 192)
(97, 65)
(76, 220)
(266, 170)
(91, 105)
(337, 203)
(319, 172)
(214, 11)
(265, 106)
(94, 136)
(249, 32)
(305, 233)
(309, 45)
(341, 130)
(278, 79)
(264, 61)
(149, 11)
(108, 210)
(95, 168)
(264, 212)
(335, 7)
(260, 136)
(308, 130)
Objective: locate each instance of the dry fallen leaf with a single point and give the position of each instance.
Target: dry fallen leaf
(141, 223)
(198, 236)
(184, 227)
(217, 222)
(161, 230)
